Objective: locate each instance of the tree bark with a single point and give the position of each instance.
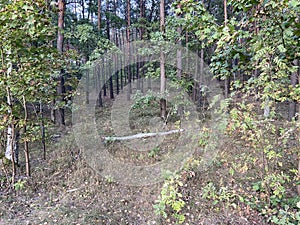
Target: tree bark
(26, 149)
(10, 136)
(107, 20)
(142, 17)
(82, 6)
(60, 114)
(163, 102)
(292, 103)
(141, 135)
(128, 45)
(43, 130)
(227, 79)
(99, 15)
(111, 87)
(179, 52)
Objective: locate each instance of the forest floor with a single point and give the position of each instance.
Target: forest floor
(64, 189)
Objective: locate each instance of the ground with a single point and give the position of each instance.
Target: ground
(64, 189)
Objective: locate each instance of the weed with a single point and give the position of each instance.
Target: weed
(154, 152)
(170, 202)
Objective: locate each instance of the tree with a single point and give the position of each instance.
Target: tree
(99, 15)
(128, 17)
(163, 102)
(27, 60)
(227, 79)
(60, 113)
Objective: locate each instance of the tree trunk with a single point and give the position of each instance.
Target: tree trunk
(142, 31)
(10, 144)
(227, 80)
(137, 68)
(116, 64)
(107, 20)
(179, 52)
(292, 104)
(87, 87)
(10, 136)
(122, 71)
(103, 76)
(99, 85)
(82, 6)
(128, 45)
(142, 17)
(43, 130)
(99, 15)
(60, 114)
(196, 81)
(179, 62)
(142, 135)
(26, 149)
(163, 102)
(111, 87)
(90, 12)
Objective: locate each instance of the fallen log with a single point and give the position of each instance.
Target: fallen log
(141, 135)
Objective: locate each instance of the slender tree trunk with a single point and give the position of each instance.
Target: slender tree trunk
(82, 7)
(99, 15)
(12, 150)
(163, 102)
(179, 62)
(142, 17)
(90, 12)
(179, 52)
(227, 79)
(122, 71)
(100, 102)
(292, 104)
(138, 81)
(128, 44)
(10, 136)
(153, 3)
(10, 145)
(103, 76)
(87, 87)
(196, 82)
(116, 63)
(107, 20)
(142, 33)
(43, 130)
(111, 87)
(187, 49)
(75, 10)
(26, 149)
(60, 114)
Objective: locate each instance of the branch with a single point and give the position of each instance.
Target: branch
(141, 135)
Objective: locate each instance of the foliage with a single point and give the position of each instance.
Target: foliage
(19, 185)
(170, 202)
(223, 195)
(154, 152)
(148, 100)
(269, 144)
(27, 58)
(257, 48)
